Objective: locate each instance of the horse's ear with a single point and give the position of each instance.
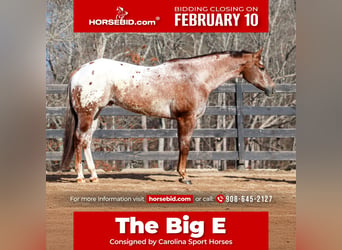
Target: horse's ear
(257, 54)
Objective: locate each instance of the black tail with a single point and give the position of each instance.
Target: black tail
(69, 133)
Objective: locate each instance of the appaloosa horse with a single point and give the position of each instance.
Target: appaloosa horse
(177, 89)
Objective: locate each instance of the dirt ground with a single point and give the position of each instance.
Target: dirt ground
(61, 190)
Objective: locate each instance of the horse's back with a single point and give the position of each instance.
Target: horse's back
(94, 71)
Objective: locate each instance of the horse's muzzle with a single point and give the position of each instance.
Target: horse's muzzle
(269, 91)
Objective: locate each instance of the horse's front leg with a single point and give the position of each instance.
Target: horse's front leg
(186, 127)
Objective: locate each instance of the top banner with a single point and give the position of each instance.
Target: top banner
(171, 16)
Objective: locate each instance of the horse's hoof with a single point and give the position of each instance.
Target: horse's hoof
(188, 182)
(94, 180)
(80, 180)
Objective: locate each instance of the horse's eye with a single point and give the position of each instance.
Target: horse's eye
(262, 68)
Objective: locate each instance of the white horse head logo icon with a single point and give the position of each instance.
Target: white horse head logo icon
(121, 13)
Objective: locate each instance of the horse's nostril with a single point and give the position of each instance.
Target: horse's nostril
(269, 91)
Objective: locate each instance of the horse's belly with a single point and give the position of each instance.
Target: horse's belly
(145, 106)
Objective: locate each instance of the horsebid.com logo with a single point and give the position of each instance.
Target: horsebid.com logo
(120, 19)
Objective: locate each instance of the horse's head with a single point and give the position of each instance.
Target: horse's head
(254, 72)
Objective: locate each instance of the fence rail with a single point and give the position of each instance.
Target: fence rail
(117, 111)
(239, 133)
(172, 133)
(228, 87)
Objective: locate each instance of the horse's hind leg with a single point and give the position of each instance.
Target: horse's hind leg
(78, 157)
(87, 153)
(83, 136)
(186, 127)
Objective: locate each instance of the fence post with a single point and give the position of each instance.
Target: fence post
(240, 140)
(145, 142)
(161, 143)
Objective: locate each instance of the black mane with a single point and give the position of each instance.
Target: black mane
(239, 53)
(233, 53)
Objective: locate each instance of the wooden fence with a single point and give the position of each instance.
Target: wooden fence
(239, 133)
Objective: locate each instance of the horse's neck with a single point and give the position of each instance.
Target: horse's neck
(221, 68)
